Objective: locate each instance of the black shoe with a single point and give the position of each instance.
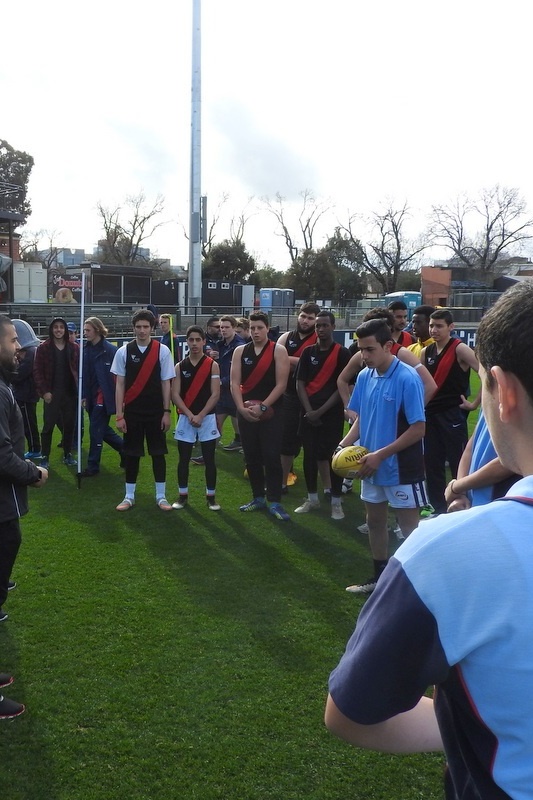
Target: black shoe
(89, 473)
(5, 679)
(10, 709)
(11, 585)
(3, 615)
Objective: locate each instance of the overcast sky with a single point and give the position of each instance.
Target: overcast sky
(358, 102)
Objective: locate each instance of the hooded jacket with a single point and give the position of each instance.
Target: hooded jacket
(43, 368)
(16, 474)
(23, 382)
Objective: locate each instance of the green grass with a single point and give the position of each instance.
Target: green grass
(184, 655)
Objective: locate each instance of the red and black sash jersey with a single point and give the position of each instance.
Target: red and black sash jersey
(258, 372)
(295, 346)
(405, 339)
(149, 401)
(195, 383)
(454, 384)
(319, 370)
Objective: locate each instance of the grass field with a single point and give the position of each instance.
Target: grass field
(186, 654)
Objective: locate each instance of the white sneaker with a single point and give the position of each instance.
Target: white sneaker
(337, 512)
(398, 533)
(363, 588)
(347, 485)
(307, 506)
(363, 529)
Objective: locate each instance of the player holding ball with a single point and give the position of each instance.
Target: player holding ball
(388, 399)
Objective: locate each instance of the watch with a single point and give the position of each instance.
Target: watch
(263, 408)
(166, 411)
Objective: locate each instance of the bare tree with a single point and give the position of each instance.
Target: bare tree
(388, 250)
(31, 250)
(480, 232)
(123, 239)
(312, 211)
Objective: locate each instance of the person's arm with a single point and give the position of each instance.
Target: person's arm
(346, 379)
(369, 464)
(488, 475)
(235, 385)
(352, 435)
(281, 359)
(414, 731)
(120, 388)
(293, 360)
(165, 391)
(430, 387)
(466, 357)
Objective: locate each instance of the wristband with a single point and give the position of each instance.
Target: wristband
(166, 411)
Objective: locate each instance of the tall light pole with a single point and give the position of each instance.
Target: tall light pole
(195, 221)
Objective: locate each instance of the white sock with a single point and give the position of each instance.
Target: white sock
(313, 496)
(160, 489)
(335, 501)
(130, 490)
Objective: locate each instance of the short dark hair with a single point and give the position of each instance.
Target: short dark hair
(259, 316)
(329, 314)
(211, 320)
(424, 311)
(375, 327)
(504, 335)
(380, 312)
(397, 305)
(442, 313)
(4, 322)
(310, 308)
(144, 315)
(229, 318)
(195, 329)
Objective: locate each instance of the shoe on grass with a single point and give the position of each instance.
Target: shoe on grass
(291, 480)
(45, 464)
(347, 485)
(232, 446)
(3, 615)
(5, 679)
(181, 502)
(277, 510)
(163, 504)
(126, 504)
(70, 461)
(336, 511)
(257, 504)
(9, 709)
(363, 529)
(198, 460)
(212, 503)
(11, 585)
(307, 506)
(367, 587)
(89, 473)
(33, 454)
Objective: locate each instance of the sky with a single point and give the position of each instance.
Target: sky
(360, 103)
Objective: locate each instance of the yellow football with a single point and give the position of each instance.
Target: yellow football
(345, 463)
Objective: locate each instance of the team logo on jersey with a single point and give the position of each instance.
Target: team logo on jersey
(314, 361)
(186, 374)
(135, 359)
(248, 362)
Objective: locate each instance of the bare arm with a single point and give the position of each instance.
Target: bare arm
(120, 386)
(348, 376)
(370, 463)
(430, 387)
(414, 731)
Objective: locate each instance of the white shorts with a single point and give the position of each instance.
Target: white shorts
(186, 432)
(407, 495)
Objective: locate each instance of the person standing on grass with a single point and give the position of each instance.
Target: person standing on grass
(169, 338)
(437, 617)
(144, 370)
(195, 392)
(295, 342)
(24, 386)
(56, 379)
(259, 371)
(16, 473)
(449, 361)
(321, 422)
(98, 393)
(390, 422)
(226, 405)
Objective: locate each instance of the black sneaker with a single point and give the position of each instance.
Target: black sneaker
(367, 587)
(5, 679)
(181, 502)
(3, 615)
(212, 503)
(11, 585)
(9, 709)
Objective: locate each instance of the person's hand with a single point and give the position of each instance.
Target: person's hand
(459, 504)
(47, 397)
(468, 405)
(368, 465)
(313, 418)
(121, 425)
(165, 421)
(42, 480)
(250, 414)
(196, 420)
(450, 495)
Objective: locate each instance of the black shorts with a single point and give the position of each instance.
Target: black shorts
(323, 439)
(141, 428)
(291, 441)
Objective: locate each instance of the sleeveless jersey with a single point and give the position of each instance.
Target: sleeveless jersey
(295, 347)
(455, 384)
(187, 374)
(249, 361)
(150, 401)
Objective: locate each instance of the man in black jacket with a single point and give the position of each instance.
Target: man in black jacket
(16, 474)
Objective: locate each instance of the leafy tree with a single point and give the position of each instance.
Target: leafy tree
(15, 169)
(344, 255)
(268, 277)
(229, 260)
(481, 232)
(125, 239)
(388, 250)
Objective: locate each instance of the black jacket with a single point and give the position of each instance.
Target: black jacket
(16, 474)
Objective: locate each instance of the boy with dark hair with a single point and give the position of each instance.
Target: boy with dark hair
(259, 372)
(390, 422)
(437, 619)
(195, 392)
(56, 378)
(420, 319)
(226, 405)
(400, 315)
(144, 370)
(449, 361)
(321, 420)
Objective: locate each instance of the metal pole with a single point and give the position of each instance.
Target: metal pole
(195, 235)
